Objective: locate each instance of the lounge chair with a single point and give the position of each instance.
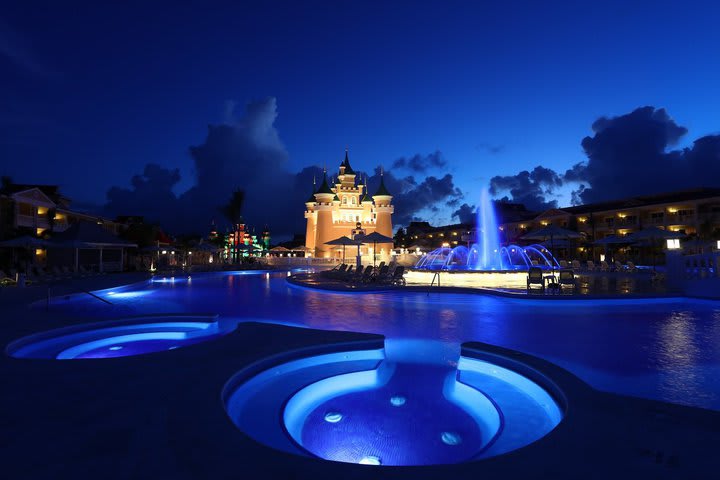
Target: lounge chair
(380, 274)
(535, 279)
(618, 266)
(630, 267)
(336, 272)
(591, 265)
(566, 279)
(363, 277)
(397, 277)
(576, 265)
(563, 264)
(604, 267)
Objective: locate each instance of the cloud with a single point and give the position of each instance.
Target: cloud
(248, 154)
(466, 213)
(151, 194)
(529, 188)
(490, 148)
(420, 163)
(627, 155)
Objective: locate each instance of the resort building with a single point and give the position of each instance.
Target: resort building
(695, 213)
(345, 208)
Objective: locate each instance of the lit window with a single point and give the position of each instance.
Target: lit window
(673, 243)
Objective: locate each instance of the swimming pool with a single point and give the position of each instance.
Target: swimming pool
(664, 349)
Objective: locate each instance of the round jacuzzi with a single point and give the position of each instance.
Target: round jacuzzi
(412, 402)
(118, 338)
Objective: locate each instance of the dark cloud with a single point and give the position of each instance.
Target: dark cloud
(466, 213)
(529, 188)
(248, 154)
(151, 194)
(627, 155)
(421, 163)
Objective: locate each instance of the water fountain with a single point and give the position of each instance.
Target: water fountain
(487, 255)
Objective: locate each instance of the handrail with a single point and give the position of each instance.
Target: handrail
(47, 301)
(432, 282)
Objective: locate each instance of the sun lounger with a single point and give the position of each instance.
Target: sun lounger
(630, 267)
(576, 265)
(397, 277)
(566, 280)
(380, 274)
(604, 267)
(563, 264)
(591, 265)
(535, 279)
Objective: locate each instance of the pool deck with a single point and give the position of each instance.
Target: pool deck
(318, 281)
(161, 416)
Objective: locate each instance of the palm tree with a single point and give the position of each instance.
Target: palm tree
(233, 212)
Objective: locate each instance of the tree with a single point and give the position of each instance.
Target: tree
(233, 212)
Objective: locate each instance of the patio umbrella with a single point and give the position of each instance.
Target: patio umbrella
(376, 238)
(279, 249)
(344, 241)
(653, 234)
(611, 240)
(552, 232)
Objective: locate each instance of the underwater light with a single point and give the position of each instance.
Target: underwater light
(450, 438)
(370, 460)
(333, 417)
(397, 401)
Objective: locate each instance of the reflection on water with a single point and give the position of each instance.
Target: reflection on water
(665, 349)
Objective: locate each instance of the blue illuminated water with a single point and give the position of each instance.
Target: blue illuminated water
(665, 349)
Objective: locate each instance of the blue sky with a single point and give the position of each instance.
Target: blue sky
(93, 91)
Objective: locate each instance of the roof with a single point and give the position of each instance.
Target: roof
(324, 187)
(381, 189)
(88, 234)
(346, 164)
(311, 198)
(51, 191)
(645, 200)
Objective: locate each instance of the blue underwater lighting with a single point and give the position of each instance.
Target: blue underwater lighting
(120, 338)
(334, 407)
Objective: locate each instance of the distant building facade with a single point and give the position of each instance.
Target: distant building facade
(337, 208)
(695, 213)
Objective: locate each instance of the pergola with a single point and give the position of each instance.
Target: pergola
(86, 235)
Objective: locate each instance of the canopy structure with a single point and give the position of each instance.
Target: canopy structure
(87, 235)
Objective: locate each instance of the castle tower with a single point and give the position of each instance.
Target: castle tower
(311, 217)
(324, 219)
(383, 215)
(336, 209)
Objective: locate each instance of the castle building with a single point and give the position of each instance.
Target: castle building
(342, 206)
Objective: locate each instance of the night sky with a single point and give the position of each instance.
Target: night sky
(150, 108)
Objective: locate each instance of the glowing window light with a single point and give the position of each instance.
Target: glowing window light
(673, 243)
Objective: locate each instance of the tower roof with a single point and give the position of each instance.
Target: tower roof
(346, 164)
(324, 187)
(382, 190)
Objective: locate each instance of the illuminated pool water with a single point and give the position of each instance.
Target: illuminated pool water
(663, 349)
(390, 407)
(119, 338)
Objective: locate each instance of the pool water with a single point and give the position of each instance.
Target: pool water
(664, 349)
